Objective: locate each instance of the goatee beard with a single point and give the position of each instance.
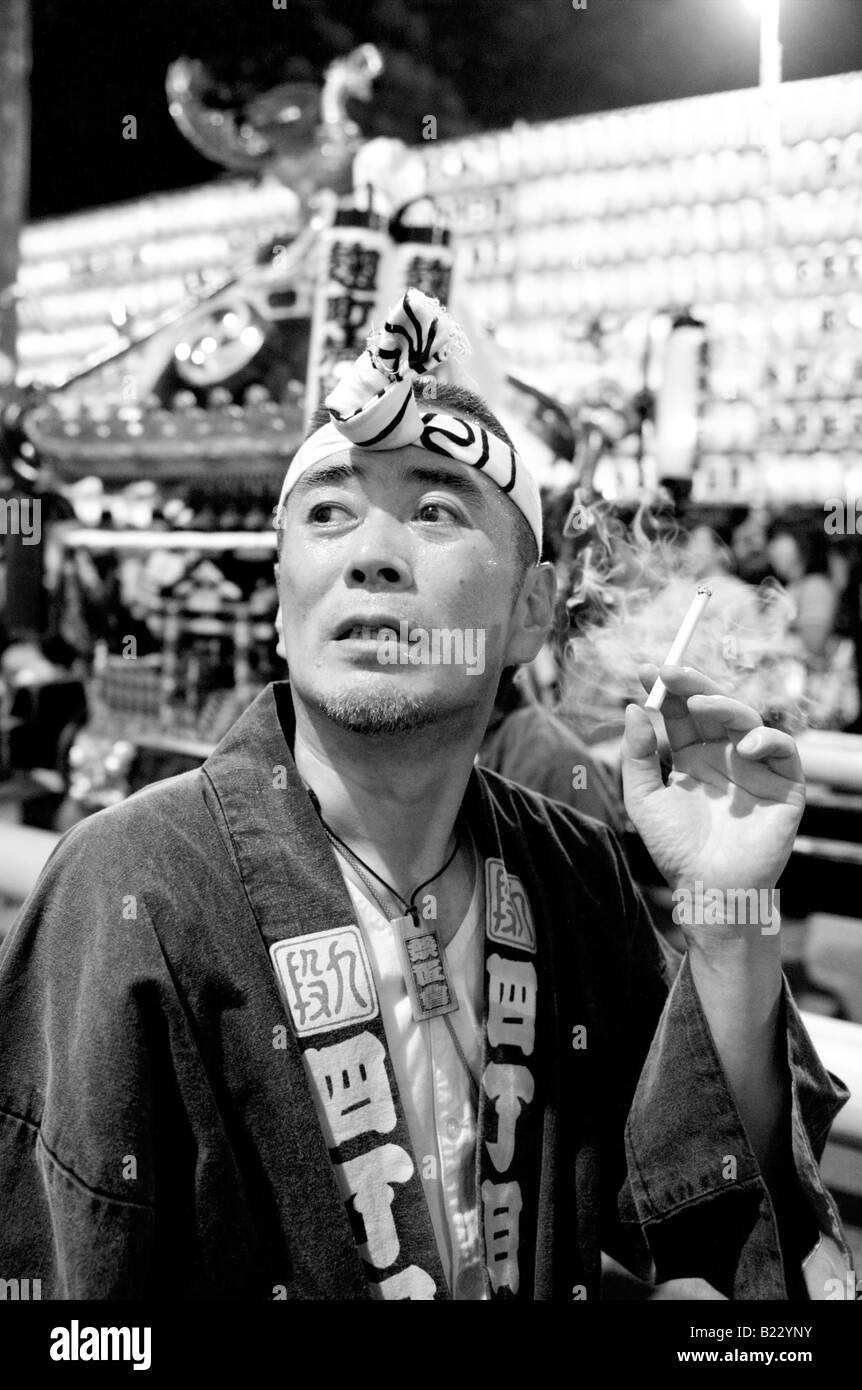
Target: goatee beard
(395, 713)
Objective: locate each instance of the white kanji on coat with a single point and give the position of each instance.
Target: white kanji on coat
(352, 1088)
(509, 917)
(507, 1086)
(369, 1180)
(502, 1208)
(326, 978)
(412, 1282)
(511, 1003)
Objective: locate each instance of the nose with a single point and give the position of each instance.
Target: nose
(279, 646)
(377, 559)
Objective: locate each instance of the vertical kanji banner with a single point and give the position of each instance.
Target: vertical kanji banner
(14, 157)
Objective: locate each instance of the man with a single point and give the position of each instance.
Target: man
(341, 1016)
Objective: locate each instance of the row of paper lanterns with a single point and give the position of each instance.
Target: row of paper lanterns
(230, 205)
(699, 279)
(777, 479)
(804, 425)
(815, 110)
(803, 376)
(739, 478)
(724, 177)
(750, 223)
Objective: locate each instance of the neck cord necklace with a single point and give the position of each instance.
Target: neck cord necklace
(360, 864)
(411, 930)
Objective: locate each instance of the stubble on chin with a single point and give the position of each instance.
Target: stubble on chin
(392, 712)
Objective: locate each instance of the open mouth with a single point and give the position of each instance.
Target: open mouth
(376, 633)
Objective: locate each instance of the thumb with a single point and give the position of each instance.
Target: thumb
(641, 768)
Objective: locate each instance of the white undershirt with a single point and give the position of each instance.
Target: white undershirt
(436, 1093)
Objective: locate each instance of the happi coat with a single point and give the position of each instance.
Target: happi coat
(158, 1133)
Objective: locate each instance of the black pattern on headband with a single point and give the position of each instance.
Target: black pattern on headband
(387, 429)
(507, 487)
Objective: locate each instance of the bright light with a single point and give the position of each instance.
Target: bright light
(769, 13)
(761, 8)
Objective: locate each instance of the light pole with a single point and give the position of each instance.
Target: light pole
(769, 12)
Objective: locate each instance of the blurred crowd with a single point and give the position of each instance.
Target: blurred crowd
(802, 586)
(822, 577)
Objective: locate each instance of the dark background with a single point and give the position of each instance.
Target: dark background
(474, 64)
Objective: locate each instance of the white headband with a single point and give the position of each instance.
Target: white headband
(373, 407)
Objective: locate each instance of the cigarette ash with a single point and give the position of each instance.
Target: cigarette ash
(630, 586)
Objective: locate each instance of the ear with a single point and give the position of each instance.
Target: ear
(533, 615)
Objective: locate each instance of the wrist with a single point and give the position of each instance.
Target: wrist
(743, 914)
(736, 972)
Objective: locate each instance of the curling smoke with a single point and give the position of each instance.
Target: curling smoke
(630, 588)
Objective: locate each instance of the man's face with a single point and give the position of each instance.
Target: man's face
(379, 547)
(784, 556)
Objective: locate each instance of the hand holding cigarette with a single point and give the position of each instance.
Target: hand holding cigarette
(720, 824)
(729, 809)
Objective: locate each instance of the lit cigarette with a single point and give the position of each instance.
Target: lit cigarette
(655, 699)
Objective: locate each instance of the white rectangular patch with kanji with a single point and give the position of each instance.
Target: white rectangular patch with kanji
(327, 979)
(509, 918)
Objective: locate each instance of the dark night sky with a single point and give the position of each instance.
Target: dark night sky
(476, 64)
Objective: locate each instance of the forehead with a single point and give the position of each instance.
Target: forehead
(407, 466)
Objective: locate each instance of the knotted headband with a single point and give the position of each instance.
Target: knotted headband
(373, 407)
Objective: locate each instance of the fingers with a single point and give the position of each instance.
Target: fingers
(776, 749)
(680, 680)
(640, 766)
(696, 710)
(720, 717)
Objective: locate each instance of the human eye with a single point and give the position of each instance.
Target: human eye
(327, 513)
(434, 511)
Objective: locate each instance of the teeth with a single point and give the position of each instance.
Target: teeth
(372, 634)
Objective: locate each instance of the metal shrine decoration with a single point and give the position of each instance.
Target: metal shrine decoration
(214, 385)
(297, 132)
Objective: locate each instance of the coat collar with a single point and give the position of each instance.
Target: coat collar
(285, 859)
(269, 814)
(286, 867)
